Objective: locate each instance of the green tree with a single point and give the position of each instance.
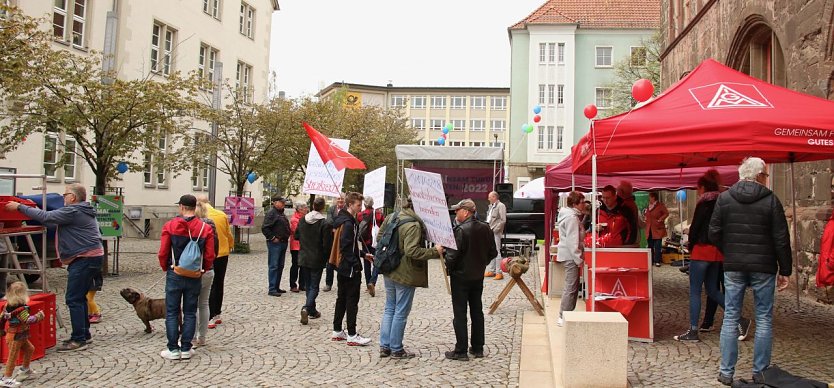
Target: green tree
(24, 50)
(643, 63)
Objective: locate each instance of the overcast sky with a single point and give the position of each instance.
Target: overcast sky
(410, 43)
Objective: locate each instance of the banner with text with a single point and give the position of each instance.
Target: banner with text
(324, 179)
(109, 214)
(462, 183)
(375, 186)
(240, 210)
(430, 204)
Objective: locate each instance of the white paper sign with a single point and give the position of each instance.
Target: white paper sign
(375, 188)
(429, 201)
(320, 179)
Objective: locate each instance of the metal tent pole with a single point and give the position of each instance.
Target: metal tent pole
(593, 275)
(795, 239)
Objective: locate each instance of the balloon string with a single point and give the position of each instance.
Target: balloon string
(615, 130)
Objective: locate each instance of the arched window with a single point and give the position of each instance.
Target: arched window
(756, 51)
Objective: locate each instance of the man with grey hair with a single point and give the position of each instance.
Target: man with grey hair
(296, 278)
(497, 219)
(748, 225)
(80, 250)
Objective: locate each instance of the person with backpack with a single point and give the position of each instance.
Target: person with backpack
(465, 266)
(315, 233)
(346, 255)
(186, 250)
(409, 233)
(368, 219)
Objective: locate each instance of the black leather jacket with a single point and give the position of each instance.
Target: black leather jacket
(476, 248)
(748, 224)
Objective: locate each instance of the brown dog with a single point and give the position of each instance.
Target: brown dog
(146, 308)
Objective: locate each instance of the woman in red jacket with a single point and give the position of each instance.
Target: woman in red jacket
(656, 214)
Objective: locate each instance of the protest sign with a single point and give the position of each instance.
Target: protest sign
(430, 204)
(109, 214)
(375, 188)
(240, 210)
(324, 179)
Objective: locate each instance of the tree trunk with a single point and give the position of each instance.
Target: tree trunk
(239, 192)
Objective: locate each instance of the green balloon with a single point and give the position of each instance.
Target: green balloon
(528, 128)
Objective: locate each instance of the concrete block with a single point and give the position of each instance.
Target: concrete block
(556, 280)
(595, 350)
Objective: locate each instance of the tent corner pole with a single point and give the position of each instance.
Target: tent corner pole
(795, 248)
(593, 275)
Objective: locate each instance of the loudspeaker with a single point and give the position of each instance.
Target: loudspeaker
(390, 195)
(505, 194)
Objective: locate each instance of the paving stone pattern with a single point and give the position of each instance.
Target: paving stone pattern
(801, 340)
(262, 343)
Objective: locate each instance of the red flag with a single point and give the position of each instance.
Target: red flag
(330, 152)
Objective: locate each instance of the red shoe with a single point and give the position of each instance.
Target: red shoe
(212, 325)
(95, 318)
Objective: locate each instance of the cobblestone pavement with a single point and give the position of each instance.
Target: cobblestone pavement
(262, 343)
(801, 343)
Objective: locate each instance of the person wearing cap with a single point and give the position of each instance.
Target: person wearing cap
(182, 290)
(276, 229)
(465, 266)
(78, 240)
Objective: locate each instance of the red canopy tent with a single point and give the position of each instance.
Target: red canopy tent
(714, 116)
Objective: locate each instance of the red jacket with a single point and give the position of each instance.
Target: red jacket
(295, 245)
(175, 238)
(368, 239)
(825, 269)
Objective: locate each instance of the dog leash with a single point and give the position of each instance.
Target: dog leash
(147, 291)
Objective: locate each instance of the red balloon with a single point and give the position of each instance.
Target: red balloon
(642, 90)
(444, 136)
(590, 111)
(537, 118)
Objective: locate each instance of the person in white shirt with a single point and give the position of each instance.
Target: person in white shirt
(496, 218)
(570, 249)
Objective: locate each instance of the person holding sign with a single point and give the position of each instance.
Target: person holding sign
(466, 266)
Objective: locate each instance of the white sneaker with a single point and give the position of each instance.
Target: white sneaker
(9, 382)
(338, 336)
(186, 354)
(23, 374)
(560, 322)
(358, 340)
(171, 354)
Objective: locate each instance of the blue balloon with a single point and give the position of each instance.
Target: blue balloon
(441, 140)
(121, 167)
(537, 109)
(681, 195)
(445, 130)
(251, 177)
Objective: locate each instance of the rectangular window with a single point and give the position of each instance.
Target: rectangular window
(69, 159)
(418, 102)
(148, 169)
(549, 137)
(438, 102)
(162, 48)
(560, 133)
(542, 48)
(458, 102)
(206, 175)
(247, 20)
(50, 154)
(603, 98)
(561, 56)
(437, 124)
(66, 28)
(541, 138)
(418, 124)
(498, 125)
(161, 174)
(638, 56)
(398, 101)
(458, 125)
(604, 56)
(207, 58)
(496, 144)
(195, 176)
(244, 81)
(477, 102)
(59, 19)
(551, 52)
(78, 22)
(560, 94)
(476, 144)
(476, 125)
(551, 94)
(541, 94)
(212, 8)
(457, 143)
(498, 103)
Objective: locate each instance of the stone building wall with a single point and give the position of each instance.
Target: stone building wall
(698, 29)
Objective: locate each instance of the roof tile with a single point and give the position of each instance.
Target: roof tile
(639, 14)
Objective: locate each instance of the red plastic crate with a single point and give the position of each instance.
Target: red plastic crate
(49, 325)
(6, 215)
(35, 338)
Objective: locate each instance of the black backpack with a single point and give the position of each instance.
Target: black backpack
(365, 228)
(388, 255)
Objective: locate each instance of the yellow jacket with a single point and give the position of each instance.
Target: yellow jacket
(224, 231)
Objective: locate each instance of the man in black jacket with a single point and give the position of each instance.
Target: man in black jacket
(315, 234)
(749, 226)
(466, 266)
(276, 229)
(348, 271)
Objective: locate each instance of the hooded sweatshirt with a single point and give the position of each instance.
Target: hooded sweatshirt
(571, 235)
(748, 225)
(351, 264)
(77, 229)
(315, 234)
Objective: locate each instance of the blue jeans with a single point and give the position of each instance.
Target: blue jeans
(703, 273)
(185, 291)
(657, 249)
(80, 275)
(313, 278)
(276, 255)
(764, 288)
(398, 300)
